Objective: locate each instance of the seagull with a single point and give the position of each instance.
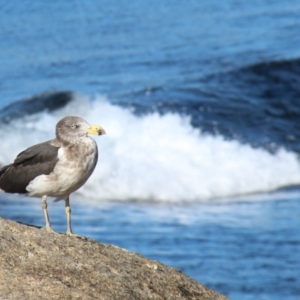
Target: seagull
(55, 168)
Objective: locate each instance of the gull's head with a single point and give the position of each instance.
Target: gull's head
(72, 128)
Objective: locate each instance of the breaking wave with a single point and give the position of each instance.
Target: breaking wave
(157, 157)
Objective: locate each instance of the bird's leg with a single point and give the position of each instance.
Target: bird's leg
(68, 213)
(45, 211)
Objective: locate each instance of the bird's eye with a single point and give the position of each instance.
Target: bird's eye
(74, 126)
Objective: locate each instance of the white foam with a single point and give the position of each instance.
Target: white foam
(155, 157)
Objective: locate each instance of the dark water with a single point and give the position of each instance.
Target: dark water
(231, 67)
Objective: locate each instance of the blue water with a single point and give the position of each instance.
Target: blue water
(201, 102)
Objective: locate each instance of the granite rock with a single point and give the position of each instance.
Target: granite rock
(35, 264)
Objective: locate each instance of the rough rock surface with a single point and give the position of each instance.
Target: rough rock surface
(35, 264)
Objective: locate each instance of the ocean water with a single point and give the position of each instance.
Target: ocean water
(201, 103)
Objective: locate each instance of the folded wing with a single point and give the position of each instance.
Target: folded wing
(32, 162)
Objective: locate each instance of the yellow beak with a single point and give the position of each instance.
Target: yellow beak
(96, 130)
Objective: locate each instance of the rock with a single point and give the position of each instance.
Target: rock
(35, 264)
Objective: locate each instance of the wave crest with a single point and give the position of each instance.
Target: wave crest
(154, 157)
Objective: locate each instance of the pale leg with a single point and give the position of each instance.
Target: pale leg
(68, 213)
(45, 211)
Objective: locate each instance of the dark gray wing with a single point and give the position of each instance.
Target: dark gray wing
(34, 161)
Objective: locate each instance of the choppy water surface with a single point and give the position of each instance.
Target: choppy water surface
(201, 103)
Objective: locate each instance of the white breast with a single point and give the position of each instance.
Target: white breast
(75, 165)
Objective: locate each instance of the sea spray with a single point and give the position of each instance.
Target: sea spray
(157, 157)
